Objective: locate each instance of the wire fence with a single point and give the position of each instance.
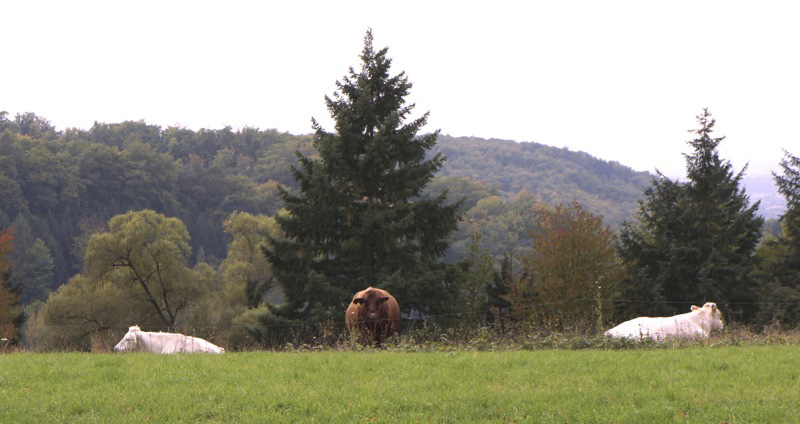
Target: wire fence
(417, 316)
(493, 326)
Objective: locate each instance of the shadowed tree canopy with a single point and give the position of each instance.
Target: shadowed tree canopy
(360, 218)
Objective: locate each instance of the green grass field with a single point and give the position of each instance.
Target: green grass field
(709, 385)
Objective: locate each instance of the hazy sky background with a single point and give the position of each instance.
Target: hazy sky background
(621, 80)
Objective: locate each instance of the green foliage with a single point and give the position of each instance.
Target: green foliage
(694, 241)
(81, 310)
(779, 254)
(360, 218)
(474, 276)
(148, 253)
(60, 182)
(789, 186)
(552, 175)
(136, 272)
(504, 227)
(34, 272)
(247, 272)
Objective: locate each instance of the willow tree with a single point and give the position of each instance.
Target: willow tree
(146, 254)
(360, 218)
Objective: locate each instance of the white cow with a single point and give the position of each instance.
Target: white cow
(695, 324)
(137, 340)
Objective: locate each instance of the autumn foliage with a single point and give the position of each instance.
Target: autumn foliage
(9, 298)
(571, 276)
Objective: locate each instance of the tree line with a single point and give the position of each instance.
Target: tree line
(239, 234)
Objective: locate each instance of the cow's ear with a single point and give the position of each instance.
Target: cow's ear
(383, 299)
(694, 308)
(358, 301)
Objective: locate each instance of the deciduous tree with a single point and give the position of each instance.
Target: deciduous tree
(10, 311)
(572, 273)
(148, 253)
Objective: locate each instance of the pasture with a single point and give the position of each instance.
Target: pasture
(695, 384)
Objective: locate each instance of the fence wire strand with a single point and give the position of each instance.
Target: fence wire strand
(432, 317)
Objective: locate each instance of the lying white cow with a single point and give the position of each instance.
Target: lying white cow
(137, 340)
(695, 324)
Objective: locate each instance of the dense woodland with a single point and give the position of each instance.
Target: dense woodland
(226, 232)
(59, 187)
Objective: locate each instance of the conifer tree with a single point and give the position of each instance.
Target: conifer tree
(789, 186)
(779, 268)
(694, 241)
(360, 218)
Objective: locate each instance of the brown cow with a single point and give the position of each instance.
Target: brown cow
(373, 315)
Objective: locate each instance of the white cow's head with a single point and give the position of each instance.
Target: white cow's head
(131, 340)
(714, 314)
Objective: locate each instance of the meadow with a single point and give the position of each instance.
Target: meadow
(751, 383)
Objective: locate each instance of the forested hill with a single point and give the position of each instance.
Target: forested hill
(552, 175)
(59, 187)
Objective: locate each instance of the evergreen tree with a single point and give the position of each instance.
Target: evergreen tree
(34, 272)
(779, 268)
(498, 290)
(694, 241)
(789, 186)
(474, 276)
(360, 218)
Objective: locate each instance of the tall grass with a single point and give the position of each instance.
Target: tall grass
(428, 336)
(724, 384)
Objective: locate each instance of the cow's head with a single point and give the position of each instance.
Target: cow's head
(716, 316)
(371, 300)
(131, 340)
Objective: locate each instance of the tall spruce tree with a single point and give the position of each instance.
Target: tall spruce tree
(695, 240)
(789, 186)
(779, 268)
(360, 218)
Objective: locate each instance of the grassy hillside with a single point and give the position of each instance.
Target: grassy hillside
(732, 384)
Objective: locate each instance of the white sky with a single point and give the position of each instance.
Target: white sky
(621, 80)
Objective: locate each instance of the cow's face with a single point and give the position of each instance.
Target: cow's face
(130, 342)
(716, 316)
(372, 302)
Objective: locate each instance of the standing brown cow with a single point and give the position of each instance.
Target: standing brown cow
(373, 315)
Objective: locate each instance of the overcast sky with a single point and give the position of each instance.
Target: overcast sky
(620, 80)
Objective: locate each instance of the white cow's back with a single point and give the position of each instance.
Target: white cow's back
(695, 324)
(146, 341)
(177, 343)
(657, 328)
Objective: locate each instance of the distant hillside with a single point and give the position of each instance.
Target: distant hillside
(552, 175)
(58, 188)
